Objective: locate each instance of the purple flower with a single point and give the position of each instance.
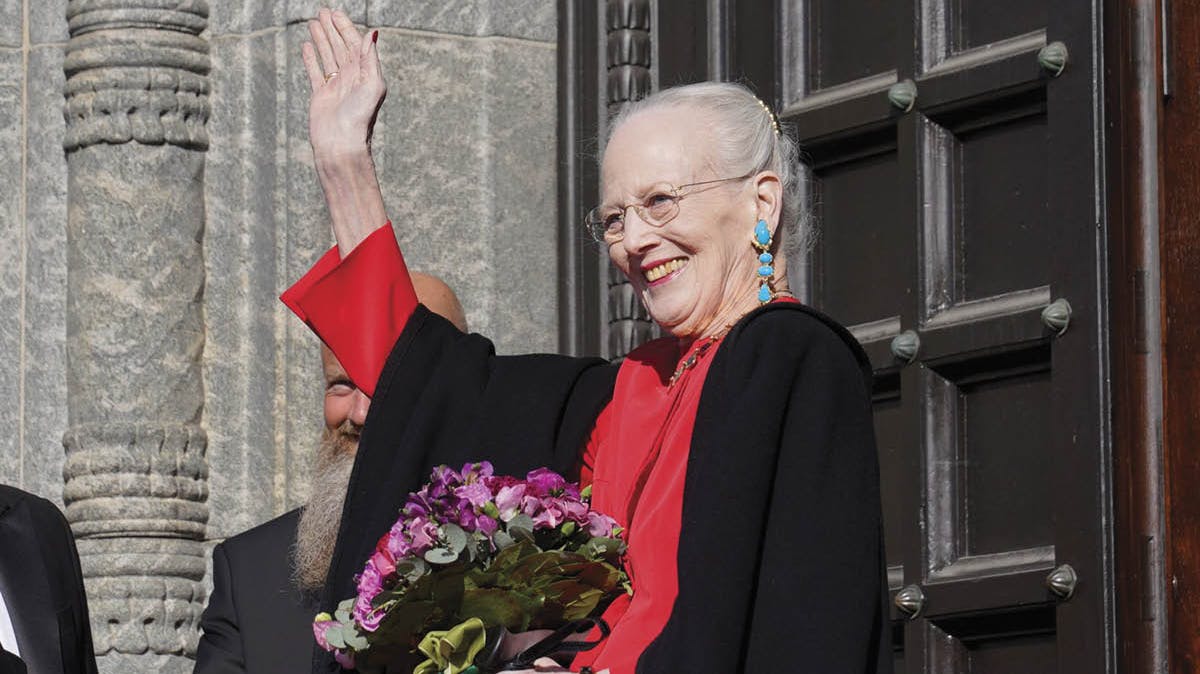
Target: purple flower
(480, 469)
(545, 482)
(475, 493)
(344, 659)
(486, 525)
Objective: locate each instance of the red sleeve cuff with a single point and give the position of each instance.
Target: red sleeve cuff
(358, 305)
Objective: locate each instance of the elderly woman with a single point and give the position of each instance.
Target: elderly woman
(737, 451)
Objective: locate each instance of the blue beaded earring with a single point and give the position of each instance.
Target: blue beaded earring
(762, 241)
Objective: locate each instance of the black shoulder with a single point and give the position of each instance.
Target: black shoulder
(43, 509)
(268, 536)
(791, 327)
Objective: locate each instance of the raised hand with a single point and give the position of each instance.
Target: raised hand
(347, 90)
(347, 84)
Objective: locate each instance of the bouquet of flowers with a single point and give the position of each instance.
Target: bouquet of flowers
(472, 554)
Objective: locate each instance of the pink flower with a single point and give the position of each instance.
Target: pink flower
(548, 518)
(576, 511)
(365, 615)
(600, 526)
(475, 493)
(423, 533)
(321, 625)
(509, 500)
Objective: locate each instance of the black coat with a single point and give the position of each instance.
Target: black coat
(256, 620)
(781, 557)
(43, 587)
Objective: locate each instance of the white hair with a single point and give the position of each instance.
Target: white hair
(745, 139)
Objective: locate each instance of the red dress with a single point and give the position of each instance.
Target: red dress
(636, 458)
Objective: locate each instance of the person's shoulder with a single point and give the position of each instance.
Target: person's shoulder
(793, 330)
(41, 507)
(267, 536)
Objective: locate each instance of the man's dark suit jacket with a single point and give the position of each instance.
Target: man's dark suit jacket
(43, 587)
(256, 620)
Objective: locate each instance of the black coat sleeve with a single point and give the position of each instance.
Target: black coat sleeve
(220, 649)
(60, 559)
(780, 554)
(446, 397)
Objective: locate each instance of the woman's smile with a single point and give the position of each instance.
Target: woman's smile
(659, 272)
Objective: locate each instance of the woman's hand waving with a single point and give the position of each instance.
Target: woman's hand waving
(347, 84)
(347, 90)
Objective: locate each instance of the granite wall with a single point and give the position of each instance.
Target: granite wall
(141, 272)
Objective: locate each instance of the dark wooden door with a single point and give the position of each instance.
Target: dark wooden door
(953, 164)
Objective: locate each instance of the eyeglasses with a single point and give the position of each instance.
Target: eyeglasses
(606, 224)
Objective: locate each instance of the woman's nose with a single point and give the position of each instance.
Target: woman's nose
(639, 235)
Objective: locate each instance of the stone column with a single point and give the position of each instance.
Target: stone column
(136, 479)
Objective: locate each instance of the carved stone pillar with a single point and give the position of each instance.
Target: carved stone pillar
(628, 50)
(136, 480)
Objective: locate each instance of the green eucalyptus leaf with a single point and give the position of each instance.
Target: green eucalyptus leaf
(502, 540)
(456, 538)
(440, 556)
(336, 636)
(357, 641)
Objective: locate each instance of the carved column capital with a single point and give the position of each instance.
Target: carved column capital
(136, 498)
(137, 70)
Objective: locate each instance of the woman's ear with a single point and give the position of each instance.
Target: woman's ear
(768, 198)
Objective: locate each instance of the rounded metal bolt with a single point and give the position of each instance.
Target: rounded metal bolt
(906, 345)
(903, 95)
(1057, 315)
(910, 601)
(1053, 57)
(1062, 581)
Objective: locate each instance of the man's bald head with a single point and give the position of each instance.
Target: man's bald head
(439, 298)
(345, 412)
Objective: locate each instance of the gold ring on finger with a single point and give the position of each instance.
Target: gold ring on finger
(329, 76)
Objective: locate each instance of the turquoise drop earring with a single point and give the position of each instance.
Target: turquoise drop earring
(762, 242)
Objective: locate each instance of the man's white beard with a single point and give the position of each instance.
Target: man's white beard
(317, 531)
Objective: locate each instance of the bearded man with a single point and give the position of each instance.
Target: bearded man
(267, 581)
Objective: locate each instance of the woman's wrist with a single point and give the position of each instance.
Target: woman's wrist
(345, 161)
(352, 194)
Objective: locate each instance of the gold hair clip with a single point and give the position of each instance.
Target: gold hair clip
(771, 115)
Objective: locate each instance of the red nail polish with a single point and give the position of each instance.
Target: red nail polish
(375, 36)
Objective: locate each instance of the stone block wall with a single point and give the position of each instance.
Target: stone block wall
(221, 440)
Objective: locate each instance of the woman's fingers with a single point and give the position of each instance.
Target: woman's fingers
(309, 55)
(328, 63)
(370, 56)
(347, 32)
(336, 44)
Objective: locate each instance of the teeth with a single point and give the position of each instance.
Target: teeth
(655, 273)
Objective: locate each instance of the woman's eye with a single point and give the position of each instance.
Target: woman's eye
(658, 200)
(612, 220)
